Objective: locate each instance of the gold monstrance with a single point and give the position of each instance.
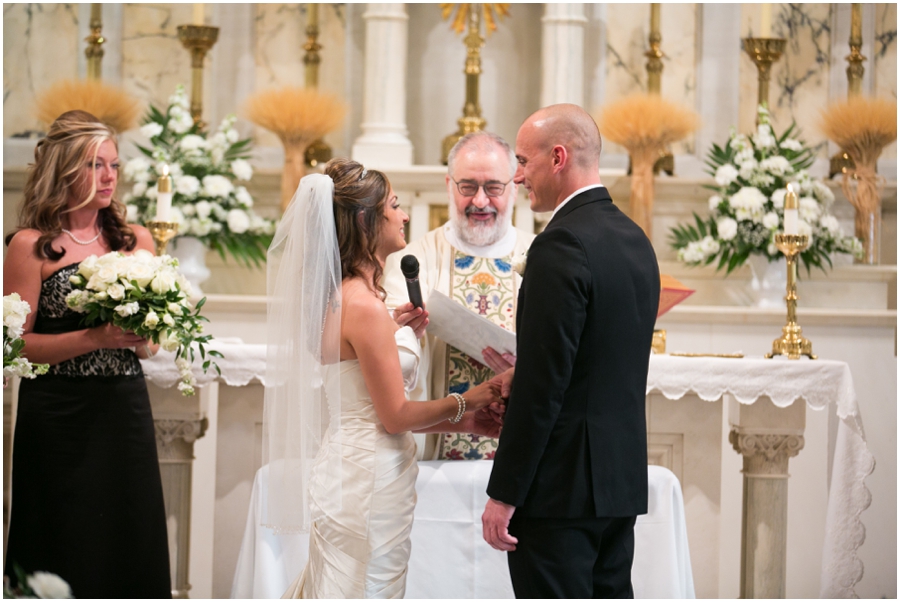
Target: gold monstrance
(471, 121)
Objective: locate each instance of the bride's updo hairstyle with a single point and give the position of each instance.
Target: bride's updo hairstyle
(359, 199)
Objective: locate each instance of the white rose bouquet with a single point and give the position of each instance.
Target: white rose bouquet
(207, 203)
(39, 584)
(15, 311)
(148, 296)
(747, 209)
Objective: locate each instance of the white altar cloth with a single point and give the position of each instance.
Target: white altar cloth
(821, 383)
(449, 557)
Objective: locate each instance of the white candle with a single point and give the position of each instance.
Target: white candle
(163, 196)
(765, 21)
(198, 18)
(790, 212)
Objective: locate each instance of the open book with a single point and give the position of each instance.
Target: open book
(466, 330)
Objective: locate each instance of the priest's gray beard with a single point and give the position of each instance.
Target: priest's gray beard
(481, 234)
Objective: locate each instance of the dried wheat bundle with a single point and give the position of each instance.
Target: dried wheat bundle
(298, 116)
(109, 104)
(862, 127)
(645, 124)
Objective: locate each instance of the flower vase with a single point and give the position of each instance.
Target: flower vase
(191, 255)
(769, 284)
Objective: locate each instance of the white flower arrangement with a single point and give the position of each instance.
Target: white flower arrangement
(40, 584)
(148, 296)
(207, 203)
(747, 209)
(15, 312)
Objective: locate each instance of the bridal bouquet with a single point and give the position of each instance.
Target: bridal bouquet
(747, 209)
(39, 584)
(148, 296)
(206, 202)
(15, 311)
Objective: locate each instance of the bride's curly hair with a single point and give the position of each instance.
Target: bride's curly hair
(359, 200)
(59, 160)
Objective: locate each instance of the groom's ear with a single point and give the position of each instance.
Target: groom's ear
(559, 157)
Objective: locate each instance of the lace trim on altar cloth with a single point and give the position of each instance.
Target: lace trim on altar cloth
(821, 383)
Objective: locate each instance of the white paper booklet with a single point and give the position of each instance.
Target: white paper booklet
(464, 329)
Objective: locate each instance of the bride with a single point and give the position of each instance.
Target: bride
(337, 421)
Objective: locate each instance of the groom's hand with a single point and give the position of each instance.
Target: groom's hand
(504, 381)
(498, 362)
(495, 525)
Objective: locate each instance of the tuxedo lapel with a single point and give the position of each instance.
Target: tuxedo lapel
(588, 196)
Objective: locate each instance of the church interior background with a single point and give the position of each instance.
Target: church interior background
(399, 69)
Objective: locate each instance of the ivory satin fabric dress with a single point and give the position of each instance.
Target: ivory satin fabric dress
(362, 551)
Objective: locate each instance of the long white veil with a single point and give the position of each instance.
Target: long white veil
(302, 403)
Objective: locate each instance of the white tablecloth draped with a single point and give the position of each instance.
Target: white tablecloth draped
(821, 383)
(449, 557)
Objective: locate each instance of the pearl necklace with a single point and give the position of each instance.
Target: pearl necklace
(83, 242)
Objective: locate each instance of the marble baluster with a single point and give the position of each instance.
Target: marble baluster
(562, 54)
(385, 141)
(767, 437)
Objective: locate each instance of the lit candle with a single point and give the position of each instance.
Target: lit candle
(765, 21)
(198, 14)
(790, 212)
(163, 196)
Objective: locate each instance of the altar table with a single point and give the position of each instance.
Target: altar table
(449, 556)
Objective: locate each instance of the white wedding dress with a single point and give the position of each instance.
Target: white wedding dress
(362, 551)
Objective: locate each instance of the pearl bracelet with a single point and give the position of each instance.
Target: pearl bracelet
(461, 402)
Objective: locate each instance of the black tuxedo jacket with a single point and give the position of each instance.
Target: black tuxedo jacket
(574, 441)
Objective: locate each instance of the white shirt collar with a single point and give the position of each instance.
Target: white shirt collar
(503, 247)
(572, 196)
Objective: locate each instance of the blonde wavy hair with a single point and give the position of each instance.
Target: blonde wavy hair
(58, 168)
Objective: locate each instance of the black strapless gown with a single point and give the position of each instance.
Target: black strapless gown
(87, 500)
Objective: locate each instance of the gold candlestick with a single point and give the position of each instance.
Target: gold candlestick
(162, 233)
(198, 39)
(666, 161)
(763, 52)
(792, 343)
(318, 151)
(841, 162)
(94, 51)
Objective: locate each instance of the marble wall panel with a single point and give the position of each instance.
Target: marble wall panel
(628, 30)
(40, 45)
(884, 59)
(799, 85)
(280, 35)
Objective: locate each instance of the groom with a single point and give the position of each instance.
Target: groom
(570, 473)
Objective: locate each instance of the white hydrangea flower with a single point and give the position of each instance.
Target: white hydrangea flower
(203, 209)
(232, 135)
(131, 213)
(238, 221)
(176, 215)
(748, 203)
(763, 137)
(714, 202)
(727, 228)
(188, 210)
(691, 253)
(744, 155)
(771, 221)
(243, 197)
(180, 121)
(822, 192)
(217, 186)
(709, 246)
(726, 174)
(188, 186)
(830, 223)
(792, 145)
(739, 142)
(778, 198)
(242, 169)
(151, 130)
(777, 165)
(809, 209)
(192, 142)
(747, 168)
(137, 169)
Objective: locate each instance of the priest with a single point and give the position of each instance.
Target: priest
(470, 259)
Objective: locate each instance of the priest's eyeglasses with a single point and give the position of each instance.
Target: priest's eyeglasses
(470, 188)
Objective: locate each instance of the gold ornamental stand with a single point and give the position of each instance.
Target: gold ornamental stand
(792, 343)
(318, 151)
(763, 52)
(162, 233)
(94, 51)
(198, 39)
(841, 162)
(666, 161)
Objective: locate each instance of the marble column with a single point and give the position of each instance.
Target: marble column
(384, 141)
(766, 450)
(562, 54)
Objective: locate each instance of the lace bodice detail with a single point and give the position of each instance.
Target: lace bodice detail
(55, 317)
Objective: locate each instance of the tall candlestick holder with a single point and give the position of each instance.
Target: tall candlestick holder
(792, 343)
(198, 40)
(666, 161)
(162, 233)
(318, 151)
(94, 50)
(841, 162)
(763, 52)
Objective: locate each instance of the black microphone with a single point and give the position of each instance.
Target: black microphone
(409, 265)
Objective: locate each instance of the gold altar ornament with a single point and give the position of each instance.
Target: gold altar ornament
(763, 52)
(471, 121)
(162, 233)
(842, 162)
(318, 152)
(94, 51)
(198, 39)
(791, 343)
(665, 162)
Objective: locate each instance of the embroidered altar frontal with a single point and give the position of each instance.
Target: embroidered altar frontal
(487, 287)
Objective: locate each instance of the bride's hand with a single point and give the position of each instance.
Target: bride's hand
(412, 316)
(482, 396)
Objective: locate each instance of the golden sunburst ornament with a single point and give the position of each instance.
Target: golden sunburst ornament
(492, 12)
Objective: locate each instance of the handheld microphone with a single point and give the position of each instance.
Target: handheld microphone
(409, 265)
